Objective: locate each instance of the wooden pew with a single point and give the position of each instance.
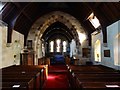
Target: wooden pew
(79, 79)
(15, 85)
(91, 68)
(98, 75)
(20, 70)
(100, 85)
(25, 68)
(91, 73)
(36, 74)
(27, 81)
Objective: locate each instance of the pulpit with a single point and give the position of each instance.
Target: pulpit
(27, 58)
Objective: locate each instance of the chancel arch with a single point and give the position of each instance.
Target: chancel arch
(39, 27)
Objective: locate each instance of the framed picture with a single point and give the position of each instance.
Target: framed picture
(106, 53)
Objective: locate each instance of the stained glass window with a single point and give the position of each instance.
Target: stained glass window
(64, 46)
(58, 41)
(51, 46)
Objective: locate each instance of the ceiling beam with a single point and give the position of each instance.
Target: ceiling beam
(22, 11)
(58, 31)
(97, 4)
(102, 22)
(99, 15)
(56, 34)
(7, 10)
(26, 15)
(89, 12)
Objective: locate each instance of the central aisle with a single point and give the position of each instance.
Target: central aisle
(57, 78)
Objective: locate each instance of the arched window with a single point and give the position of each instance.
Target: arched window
(64, 46)
(58, 41)
(97, 51)
(51, 46)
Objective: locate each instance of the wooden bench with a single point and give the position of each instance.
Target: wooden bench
(32, 76)
(100, 85)
(15, 85)
(78, 80)
(91, 73)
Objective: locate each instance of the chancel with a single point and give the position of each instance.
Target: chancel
(59, 45)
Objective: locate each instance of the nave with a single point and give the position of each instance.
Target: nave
(66, 45)
(44, 77)
(57, 78)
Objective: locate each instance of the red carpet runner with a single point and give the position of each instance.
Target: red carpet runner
(57, 78)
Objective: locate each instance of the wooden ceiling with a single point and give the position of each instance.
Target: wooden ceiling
(57, 30)
(20, 16)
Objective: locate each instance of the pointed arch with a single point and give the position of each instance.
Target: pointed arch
(41, 25)
(45, 21)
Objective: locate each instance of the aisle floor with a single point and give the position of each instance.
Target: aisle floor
(57, 78)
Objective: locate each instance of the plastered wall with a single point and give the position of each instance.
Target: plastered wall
(113, 44)
(8, 50)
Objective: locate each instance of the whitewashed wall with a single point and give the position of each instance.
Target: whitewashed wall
(7, 51)
(112, 31)
(0, 46)
(3, 40)
(17, 46)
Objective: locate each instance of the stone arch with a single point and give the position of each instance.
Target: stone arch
(41, 24)
(45, 21)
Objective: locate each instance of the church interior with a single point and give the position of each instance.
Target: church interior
(59, 45)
